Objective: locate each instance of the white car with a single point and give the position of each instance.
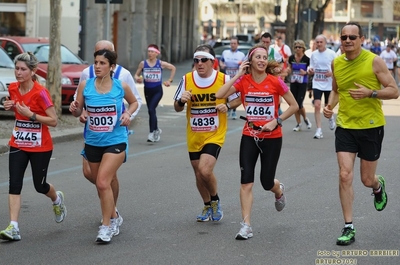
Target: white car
(7, 76)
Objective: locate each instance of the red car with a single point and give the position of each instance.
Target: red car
(71, 69)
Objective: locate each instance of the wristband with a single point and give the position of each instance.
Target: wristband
(128, 113)
(180, 103)
(170, 80)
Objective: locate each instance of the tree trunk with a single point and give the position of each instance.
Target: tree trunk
(319, 22)
(303, 24)
(290, 23)
(54, 67)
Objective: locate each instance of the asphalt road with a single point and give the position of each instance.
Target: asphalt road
(159, 203)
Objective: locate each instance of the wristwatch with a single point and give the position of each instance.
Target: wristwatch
(279, 121)
(374, 94)
(33, 117)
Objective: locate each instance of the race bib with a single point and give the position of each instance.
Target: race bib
(102, 118)
(296, 77)
(231, 71)
(152, 74)
(27, 133)
(204, 119)
(259, 108)
(320, 75)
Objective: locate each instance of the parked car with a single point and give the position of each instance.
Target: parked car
(71, 68)
(245, 38)
(7, 76)
(242, 47)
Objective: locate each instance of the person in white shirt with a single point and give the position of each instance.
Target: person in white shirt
(321, 67)
(390, 57)
(230, 62)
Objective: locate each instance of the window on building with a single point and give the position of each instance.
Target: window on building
(341, 8)
(12, 22)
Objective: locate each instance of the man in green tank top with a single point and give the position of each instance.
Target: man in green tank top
(360, 81)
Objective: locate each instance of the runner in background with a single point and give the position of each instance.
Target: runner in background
(149, 72)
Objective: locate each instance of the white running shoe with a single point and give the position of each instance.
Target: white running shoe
(332, 123)
(150, 138)
(114, 227)
(318, 135)
(281, 202)
(308, 122)
(297, 128)
(105, 234)
(60, 211)
(245, 232)
(157, 135)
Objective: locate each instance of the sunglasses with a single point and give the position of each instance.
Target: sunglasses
(351, 37)
(203, 60)
(298, 47)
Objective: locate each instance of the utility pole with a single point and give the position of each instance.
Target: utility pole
(53, 82)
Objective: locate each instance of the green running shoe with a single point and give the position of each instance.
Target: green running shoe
(10, 234)
(348, 237)
(380, 199)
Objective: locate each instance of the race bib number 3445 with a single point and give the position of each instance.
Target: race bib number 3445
(27, 133)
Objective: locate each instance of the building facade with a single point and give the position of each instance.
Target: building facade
(225, 18)
(131, 25)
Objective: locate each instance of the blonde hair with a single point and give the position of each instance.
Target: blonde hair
(299, 43)
(30, 60)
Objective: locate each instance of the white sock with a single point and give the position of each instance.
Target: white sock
(15, 224)
(57, 201)
(349, 225)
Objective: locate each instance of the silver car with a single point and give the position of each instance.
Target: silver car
(7, 76)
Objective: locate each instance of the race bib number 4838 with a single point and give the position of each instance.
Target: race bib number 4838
(204, 120)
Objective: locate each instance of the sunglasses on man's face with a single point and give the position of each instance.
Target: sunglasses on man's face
(298, 47)
(203, 60)
(351, 37)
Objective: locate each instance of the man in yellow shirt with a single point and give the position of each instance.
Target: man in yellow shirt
(206, 125)
(358, 78)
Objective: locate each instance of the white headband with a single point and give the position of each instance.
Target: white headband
(205, 54)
